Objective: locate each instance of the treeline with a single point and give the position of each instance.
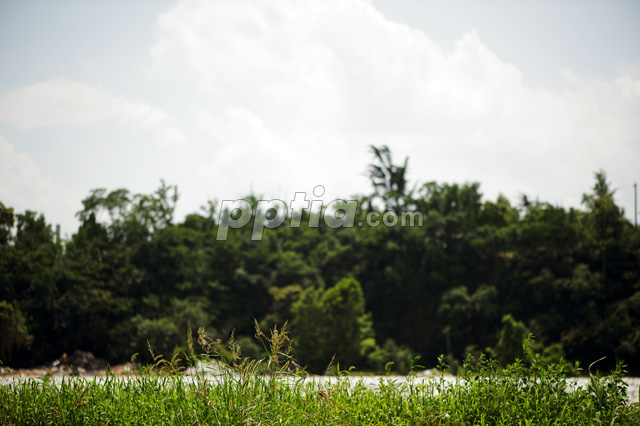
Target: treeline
(477, 276)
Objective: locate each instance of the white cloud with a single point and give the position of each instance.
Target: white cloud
(327, 63)
(254, 156)
(286, 95)
(629, 86)
(242, 136)
(25, 187)
(314, 82)
(62, 102)
(24, 184)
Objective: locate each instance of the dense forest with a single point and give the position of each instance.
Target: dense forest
(476, 276)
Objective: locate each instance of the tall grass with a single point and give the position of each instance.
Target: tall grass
(227, 388)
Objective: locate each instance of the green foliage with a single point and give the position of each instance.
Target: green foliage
(389, 180)
(14, 333)
(165, 333)
(283, 300)
(512, 337)
(6, 223)
(604, 225)
(331, 322)
(391, 357)
(131, 272)
(240, 393)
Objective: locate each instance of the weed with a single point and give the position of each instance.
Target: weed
(229, 388)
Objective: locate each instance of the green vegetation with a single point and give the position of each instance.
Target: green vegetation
(330, 322)
(274, 391)
(477, 276)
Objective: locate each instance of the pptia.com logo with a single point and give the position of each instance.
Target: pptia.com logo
(271, 214)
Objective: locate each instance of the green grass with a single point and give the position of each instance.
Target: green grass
(274, 391)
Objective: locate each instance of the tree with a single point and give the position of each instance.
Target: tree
(466, 315)
(511, 340)
(310, 330)
(331, 322)
(605, 222)
(36, 270)
(156, 211)
(14, 333)
(7, 253)
(349, 325)
(389, 180)
(6, 223)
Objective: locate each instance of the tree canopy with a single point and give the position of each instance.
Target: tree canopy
(477, 276)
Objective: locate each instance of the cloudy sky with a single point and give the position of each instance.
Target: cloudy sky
(273, 97)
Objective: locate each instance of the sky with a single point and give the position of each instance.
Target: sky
(272, 97)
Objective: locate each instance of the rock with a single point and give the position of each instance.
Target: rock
(80, 362)
(124, 369)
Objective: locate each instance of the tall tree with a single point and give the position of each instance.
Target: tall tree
(389, 180)
(604, 223)
(331, 322)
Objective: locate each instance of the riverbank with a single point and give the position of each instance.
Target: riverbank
(498, 398)
(128, 371)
